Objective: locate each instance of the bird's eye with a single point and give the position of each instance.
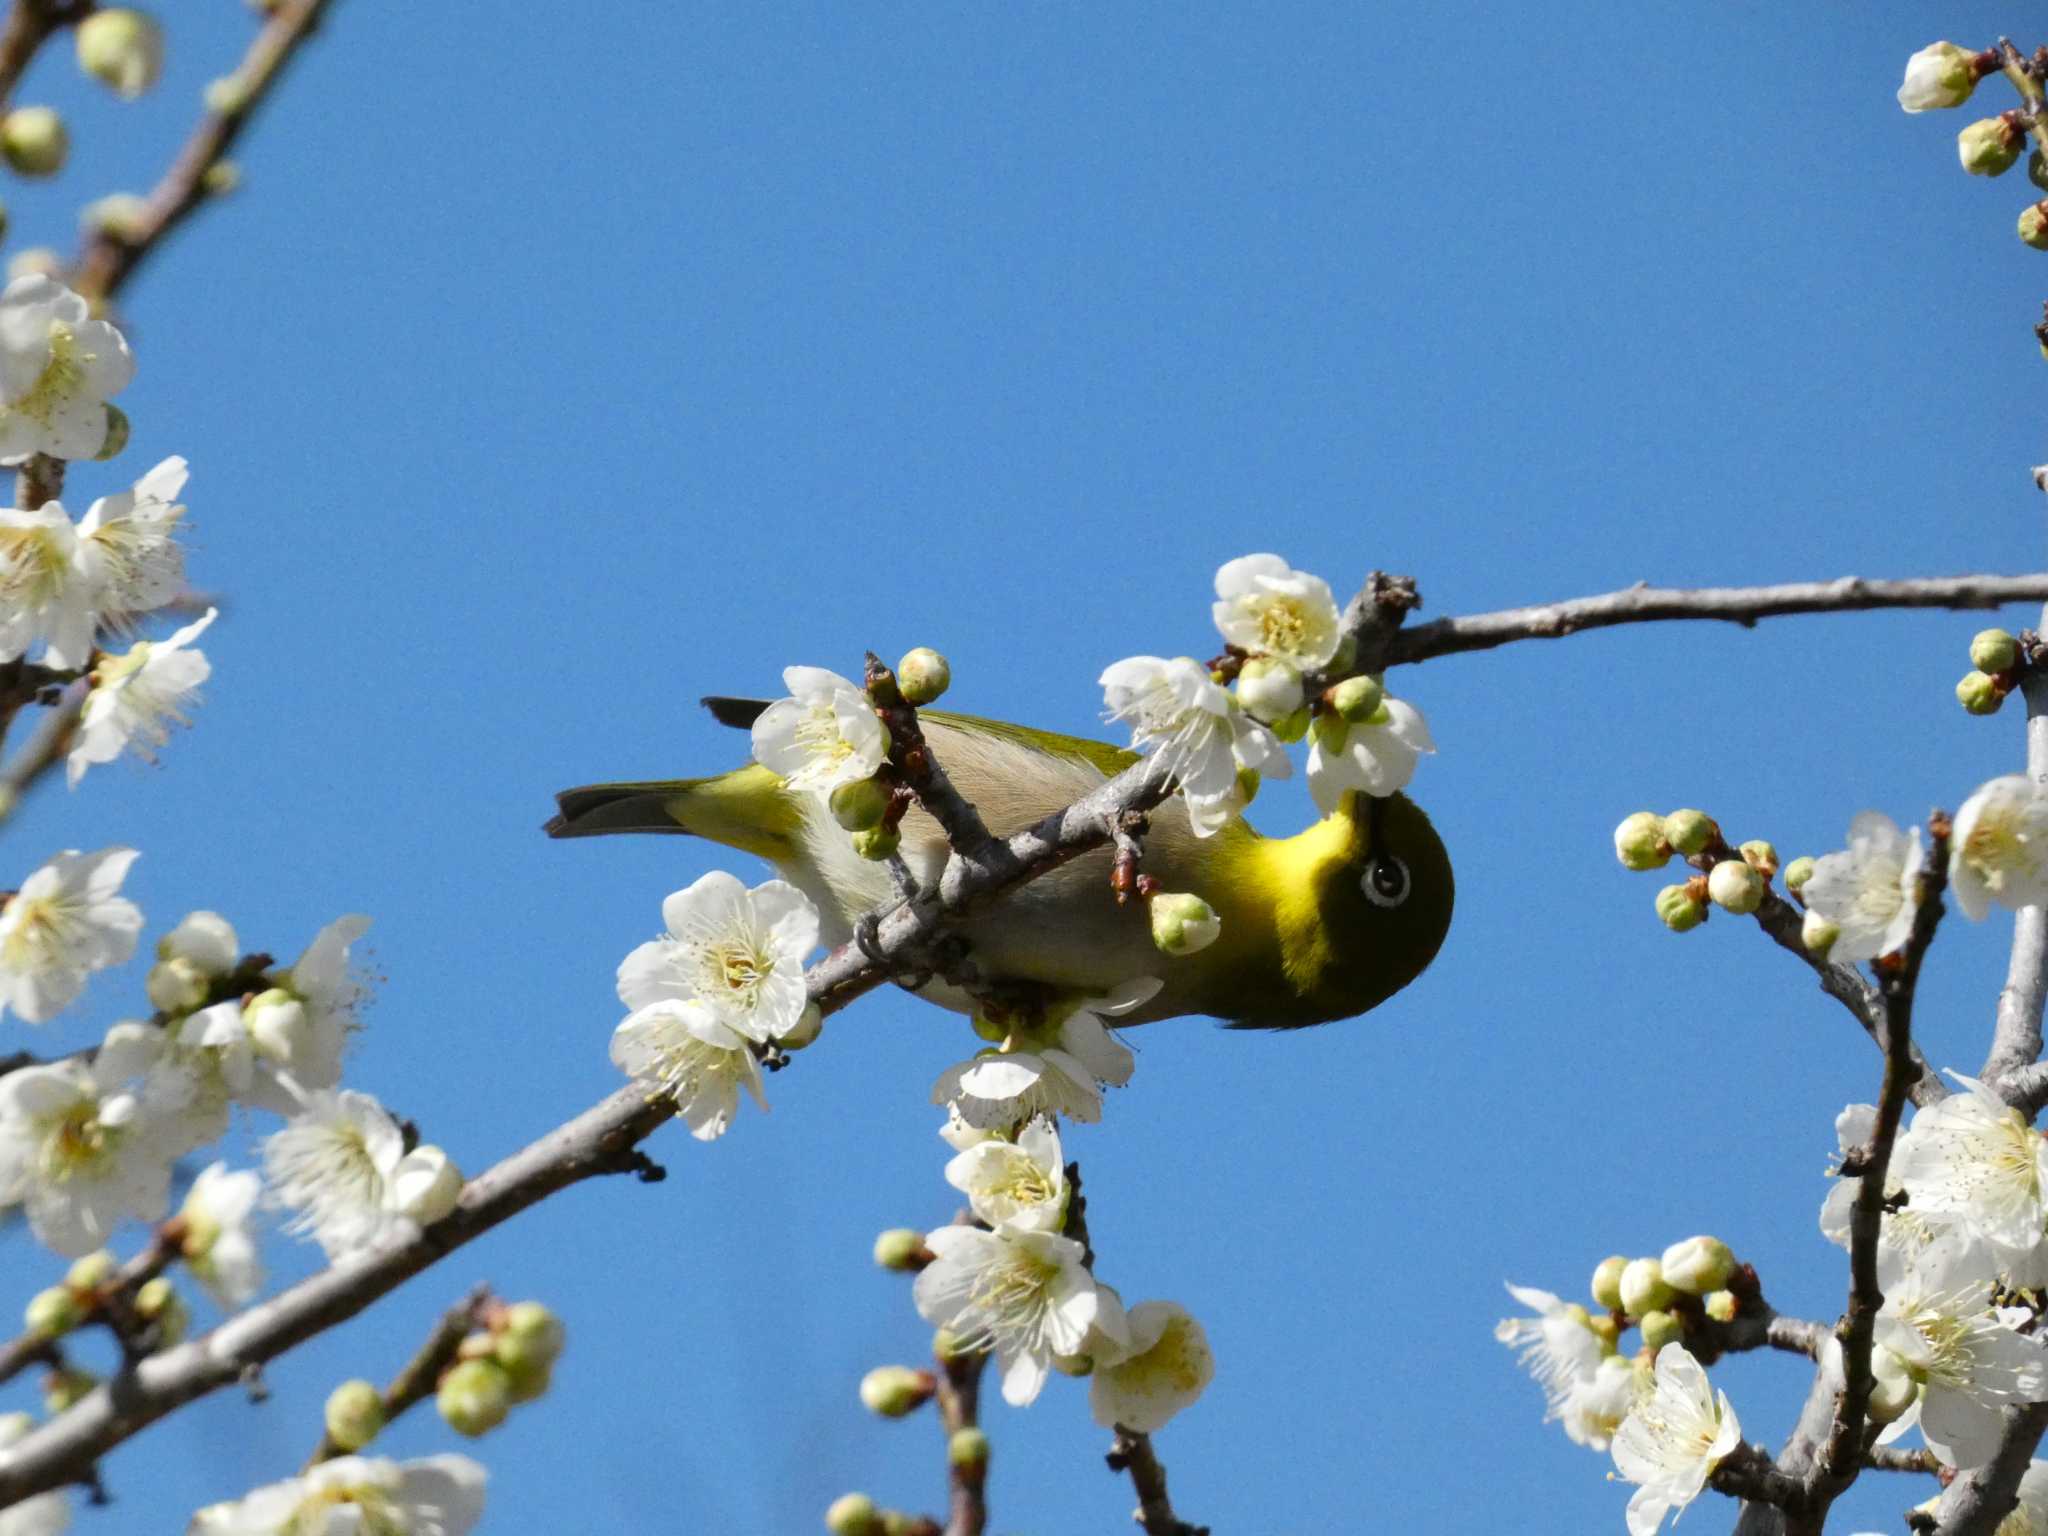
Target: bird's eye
(1386, 882)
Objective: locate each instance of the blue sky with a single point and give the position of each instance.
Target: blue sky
(547, 374)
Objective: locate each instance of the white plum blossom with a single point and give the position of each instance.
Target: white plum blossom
(77, 1151)
(1055, 1067)
(137, 698)
(1999, 848)
(298, 1029)
(1023, 1183)
(68, 919)
(824, 735)
(45, 593)
(341, 1165)
(219, 1247)
(1975, 1160)
(1939, 1322)
(1176, 710)
(205, 940)
(1592, 1410)
(1267, 608)
(1868, 892)
(58, 369)
(1939, 75)
(357, 1496)
(40, 1514)
(1025, 1295)
(1906, 1230)
(1377, 757)
(128, 546)
(1672, 1439)
(1167, 1365)
(740, 952)
(959, 1135)
(679, 1047)
(1556, 1345)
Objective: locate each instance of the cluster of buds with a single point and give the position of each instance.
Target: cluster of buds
(1998, 660)
(511, 1359)
(872, 808)
(1680, 1296)
(1735, 879)
(152, 1316)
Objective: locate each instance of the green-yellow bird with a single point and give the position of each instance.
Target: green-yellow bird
(1319, 926)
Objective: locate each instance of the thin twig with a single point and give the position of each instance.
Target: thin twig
(1132, 1452)
(110, 256)
(422, 1374)
(1980, 1499)
(1890, 1458)
(959, 1400)
(912, 758)
(28, 26)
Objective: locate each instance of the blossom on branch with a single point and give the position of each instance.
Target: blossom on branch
(128, 547)
(1672, 1439)
(1266, 608)
(2000, 847)
(136, 698)
(1557, 1345)
(1165, 1370)
(1376, 756)
(67, 920)
(342, 1166)
(1022, 1182)
(1025, 1295)
(58, 369)
(45, 592)
(824, 735)
(357, 1496)
(1179, 713)
(219, 1248)
(679, 1047)
(1868, 892)
(1976, 1161)
(1057, 1065)
(738, 952)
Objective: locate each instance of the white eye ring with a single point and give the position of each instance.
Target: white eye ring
(1385, 882)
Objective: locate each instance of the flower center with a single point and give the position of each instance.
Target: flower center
(1023, 1181)
(63, 376)
(77, 1144)
(1010, 1295)
(32, 567)
(41, 930)
(1283, 626)
(377, 1514)
(819, 737)
(1994, 846)
(735, 973)
(1948, 1348)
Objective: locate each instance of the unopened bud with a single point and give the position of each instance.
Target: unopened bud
(119, 216)
(227, 96)
(1643, 1288)
(922, 675)
(2033, 225)
(1989, 146)
(877, 842)
(896, 1390)
(1607, 1282)
(118, 426)
(474, 1396)
(2037, 168)
(1939, 75)
(1269, 688)
(1690, 832)
(1721, 1306)
(1698, 1265)
(1818, 934)
(1659, 1328)
(1604, 1328)
(123, 49)
(34, 141)
(1357, 699)
(90, 1273)
(853, 1514)
(53, 1313)
(425, 1185)
(529, 1335)
(157, 1301)
(220, 178)
(1639, 842)
(1735, 887)
(1798, 872)
(1892, 1387)
(808, 1026)
(1183, 923)
(354, 1414)
(63, 1388)
(860, 804)
(176, 986)
(968, 1449)
(1979, 693)
(902, 1249)
(1760, 856)
(1994, 650)
(278, 1026)
(1678, 909)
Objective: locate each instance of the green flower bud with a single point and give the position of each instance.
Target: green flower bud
(1734, 887)
(1721, 1306)
(530, 1382)
(53, 1313)
(860, 805)
(123, 49)
(853, 1514)
(354, 1414)
(158, 1301)
(808, 1026)
(1643, 1288)
(1291, 728)
(227, 96)
(877, 842)
(474, 1397)
(968, 1449)
(117, 419)
(1979, 693)
(922, 675)
(1989, 146)
(120, 216)
(1331, 731)
(1798, 872)
(2033, 226)
(220, 178)
(1606, 1330)
(90, 1273)
(1607, 1282)
(176, 986)
(1639, 842)
(1678, 910)
(1357, 699)
(902, 1249)
(1659, 1328)
(1247, 785)
(1939, 75)
(896, 1522)
(1818, 934)
(529, 1336)
(62, 1389)
(947, 1345)
(1690, 832)
(34, 141)
(1269, 688)
(1994, 650)
(2037, 169)
(894, 1391)
(1892, 1387)
(1183, 923)
(1760, 856)
(1698, 1265)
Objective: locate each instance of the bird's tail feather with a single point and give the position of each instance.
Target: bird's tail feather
(746, 809)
